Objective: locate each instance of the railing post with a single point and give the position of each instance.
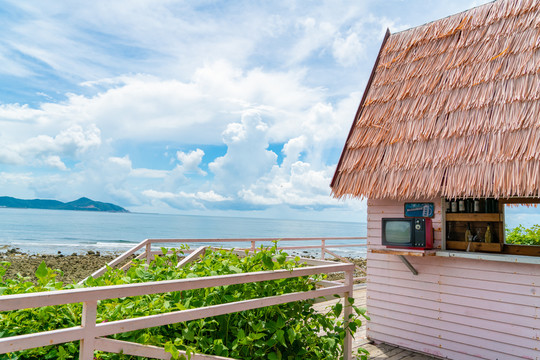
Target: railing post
(252, 245)
(323, 248)
(347, 312)
(89, 314)
(148, 252)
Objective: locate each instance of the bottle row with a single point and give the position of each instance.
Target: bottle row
(471, 235)
(489, 205)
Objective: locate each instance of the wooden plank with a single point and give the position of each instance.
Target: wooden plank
(472, 325)
(470, 217)
(418, 346)
(468, 292)
(466, 280)
(532, 250)
(192, 257)
(121, 326)
(404, 252)
(474, 246)
(446, 268)
(490, 310)
(49, 298)
(53, 337)
(480, 343)
(147, 351)
(513, 266)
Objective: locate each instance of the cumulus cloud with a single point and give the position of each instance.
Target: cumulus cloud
(247, 157)
(190, 161)
(47, 150)
(348, 50)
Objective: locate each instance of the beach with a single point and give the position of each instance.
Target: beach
(74, 267)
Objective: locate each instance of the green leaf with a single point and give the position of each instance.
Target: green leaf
(235, 269)
(280, 336)
(337, 309)
(41, 271)
(291, 334)
(267, 260)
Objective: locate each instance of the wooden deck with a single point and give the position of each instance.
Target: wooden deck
(376, 351)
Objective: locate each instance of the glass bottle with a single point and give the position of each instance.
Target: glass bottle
(453, 206)
(468, 234)
(450, 236)
(476, 205)
(487, 236)
(461, 205)
(469, 205)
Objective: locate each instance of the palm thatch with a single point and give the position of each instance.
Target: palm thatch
(452, 109)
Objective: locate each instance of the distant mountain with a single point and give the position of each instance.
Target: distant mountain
(84, 204)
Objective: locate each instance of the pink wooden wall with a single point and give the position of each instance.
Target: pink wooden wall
(454, 308)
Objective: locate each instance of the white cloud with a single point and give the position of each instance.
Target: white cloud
(247, 157)
(349, 50)
(190, 161)
(55, 162)
(47, 150)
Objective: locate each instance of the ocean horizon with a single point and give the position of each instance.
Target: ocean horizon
(40, 231)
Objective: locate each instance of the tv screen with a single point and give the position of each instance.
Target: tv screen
(398, 232)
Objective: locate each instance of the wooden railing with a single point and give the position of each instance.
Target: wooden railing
(323, 247)
(92, 335)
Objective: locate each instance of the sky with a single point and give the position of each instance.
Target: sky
(234, 108)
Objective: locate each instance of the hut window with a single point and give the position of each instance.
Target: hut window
(522, 227)
(507, 226)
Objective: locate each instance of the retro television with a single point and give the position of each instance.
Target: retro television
(409, 233)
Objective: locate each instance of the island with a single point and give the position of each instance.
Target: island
(82, 204)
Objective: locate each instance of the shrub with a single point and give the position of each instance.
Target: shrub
(287, 331)
(523, 236)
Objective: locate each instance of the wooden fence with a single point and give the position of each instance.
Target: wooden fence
(92, 335)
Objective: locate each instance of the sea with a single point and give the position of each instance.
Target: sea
(66, 232)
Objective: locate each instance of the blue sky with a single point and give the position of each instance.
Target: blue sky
(236, 108)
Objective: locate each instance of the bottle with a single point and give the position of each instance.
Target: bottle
(468, 235)
(453, 206)
(469, 205)
(489, 205)
(447, 204)
(450, 236)
(476, 205)
(487, 237)
(461, 205)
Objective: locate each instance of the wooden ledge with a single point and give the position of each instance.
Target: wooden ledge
(404, 252)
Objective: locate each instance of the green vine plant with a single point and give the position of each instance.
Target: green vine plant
(289, 331)
(521, 235)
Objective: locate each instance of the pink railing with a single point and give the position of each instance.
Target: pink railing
(323, 247)
(92, 335)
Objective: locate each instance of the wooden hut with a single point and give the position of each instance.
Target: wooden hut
(451, 116)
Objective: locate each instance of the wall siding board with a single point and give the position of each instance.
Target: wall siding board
(482, 344)
(428, 349)
(433, 340)
(508, 278)
(455, 308)
(522, 336)
(472, 293)
(522, 315)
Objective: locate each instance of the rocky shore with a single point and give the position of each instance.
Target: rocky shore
(74, 267)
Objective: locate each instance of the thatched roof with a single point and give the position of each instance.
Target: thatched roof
(452, 109)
